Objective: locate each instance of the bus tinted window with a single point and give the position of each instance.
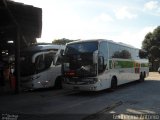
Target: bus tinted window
(103, 52)
(27, 67)
(103, 49)
(119, 51)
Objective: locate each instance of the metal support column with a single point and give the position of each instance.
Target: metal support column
(17, 61)
(17, 48)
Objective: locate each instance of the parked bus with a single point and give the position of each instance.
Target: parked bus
(40, 66)
(93, 65)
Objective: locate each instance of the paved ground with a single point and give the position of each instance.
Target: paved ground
(133, 98)
(142, 101)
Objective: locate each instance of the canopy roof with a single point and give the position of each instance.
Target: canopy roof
(27, 18)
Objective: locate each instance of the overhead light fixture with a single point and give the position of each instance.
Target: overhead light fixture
(10, 41)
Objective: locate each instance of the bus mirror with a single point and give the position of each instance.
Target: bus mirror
(101, 63)
(58, 57)
(95, 57)
(61, 52)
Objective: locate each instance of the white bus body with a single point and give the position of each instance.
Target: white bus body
(40, 67)
(94, 65)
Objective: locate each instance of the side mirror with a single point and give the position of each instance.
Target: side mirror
(95, 57)
(58, 57)
(61, 52)
(101, 63)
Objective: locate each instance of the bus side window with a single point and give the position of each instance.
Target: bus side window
(103, 56)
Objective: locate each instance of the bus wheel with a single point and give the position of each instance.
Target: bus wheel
(144, 74)
(113, 84)
(58, 83)
(141, 78)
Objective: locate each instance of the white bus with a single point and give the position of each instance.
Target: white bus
(40, 66)
(93, 65)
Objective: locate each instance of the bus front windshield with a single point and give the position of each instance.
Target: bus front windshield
(42, 62)
(79, 58)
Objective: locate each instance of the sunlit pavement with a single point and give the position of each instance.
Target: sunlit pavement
(143, 103)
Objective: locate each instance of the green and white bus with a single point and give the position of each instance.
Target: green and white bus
(94, 65)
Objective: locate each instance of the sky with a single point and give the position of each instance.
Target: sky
(126, 21)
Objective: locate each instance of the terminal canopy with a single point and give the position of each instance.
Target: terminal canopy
(26, 18)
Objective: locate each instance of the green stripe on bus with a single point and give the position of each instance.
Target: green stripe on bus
(144, 65)
(125, 64)
(121, 64)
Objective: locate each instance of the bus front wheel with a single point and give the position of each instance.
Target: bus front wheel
(58, 83)
(141, 79)
(113, 84)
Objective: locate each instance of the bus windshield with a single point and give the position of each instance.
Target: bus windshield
(42, 62)
(27, 67)
(79, 59)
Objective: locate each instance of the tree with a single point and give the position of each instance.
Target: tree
(156, 36)
(147, 42)
(151, 44)
(155, 52)
(62, 41)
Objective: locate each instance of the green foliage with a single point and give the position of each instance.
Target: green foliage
(155, 52)
(147, 43)
(156, 37)
(151, 44)
(62, 41)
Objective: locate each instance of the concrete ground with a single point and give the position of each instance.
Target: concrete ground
(142, 103)
(133, 98)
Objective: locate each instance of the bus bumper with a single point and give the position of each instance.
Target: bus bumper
(88, 87)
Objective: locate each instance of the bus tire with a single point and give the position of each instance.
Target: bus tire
(113, 84)
(141, 78)
(58, 83)
(144, 74)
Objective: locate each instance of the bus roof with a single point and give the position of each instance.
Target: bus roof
(43, 47)
(99, 40)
